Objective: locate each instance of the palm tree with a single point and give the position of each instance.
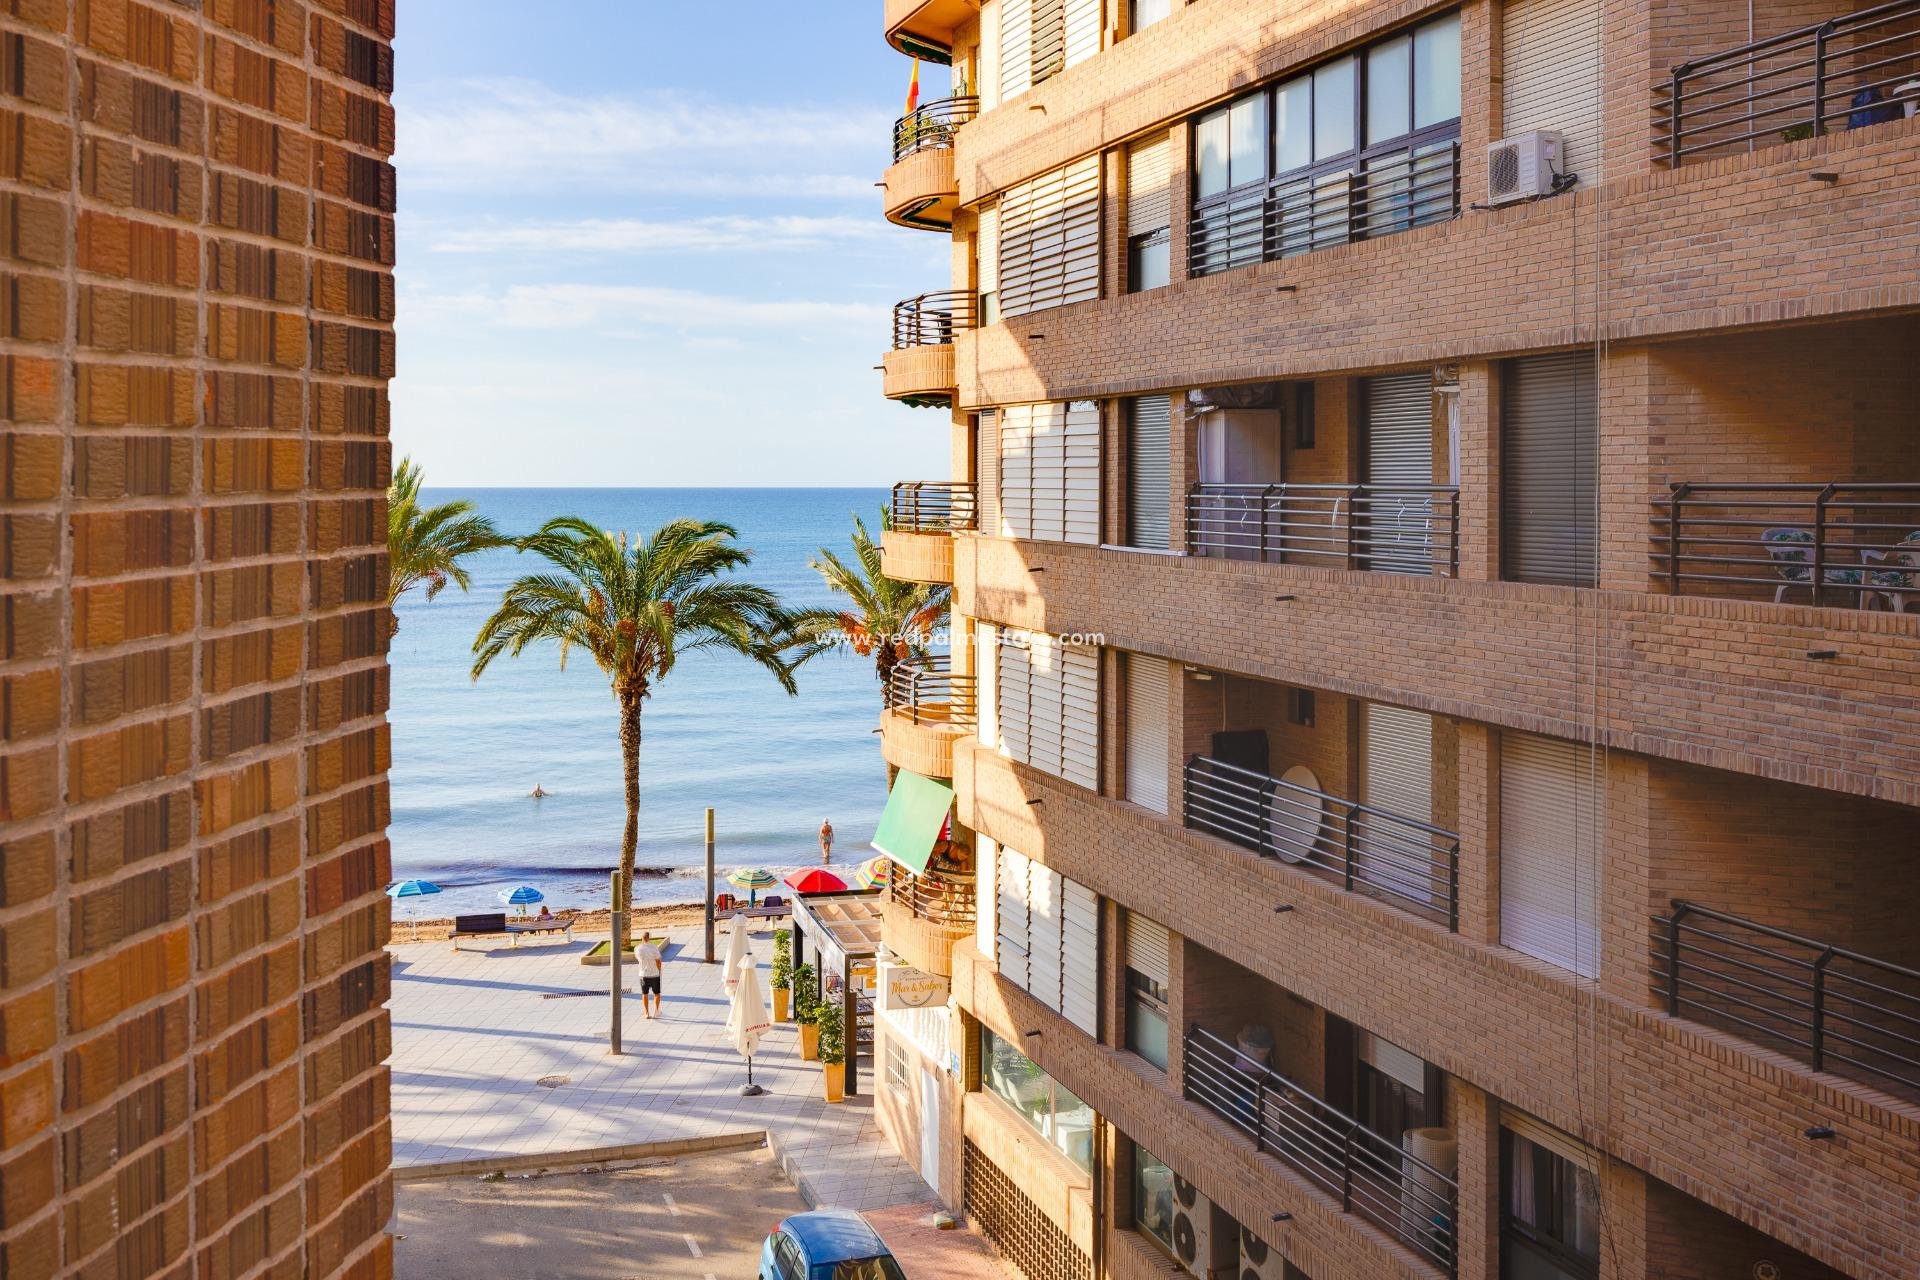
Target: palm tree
(427, 544)
(888, 620)
(636, 608)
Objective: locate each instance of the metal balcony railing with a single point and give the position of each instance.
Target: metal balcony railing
(926, 691)
(1857, 69)
(1411, 864)
(944, 898)
(1841, 544)
(932, 506)
(932, 319)
(1367, 1172)
(1405, 186)
(931, 127)
(1834, 1009)
(1385, 528)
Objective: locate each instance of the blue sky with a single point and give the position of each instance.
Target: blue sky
(640, 244)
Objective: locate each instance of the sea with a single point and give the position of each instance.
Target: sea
(718, 732)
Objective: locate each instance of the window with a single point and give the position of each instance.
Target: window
(1153, 1197)
(1300, 707)
(1147, 972)
(1048, 240)
(1550, 1213)
(1047, 937)
(1364, 145)
(1149, 214)
(986, 244)
(1549, 470)
(896, 1066)
(1142, 14)
(1047, 702)
(1065, 1122)
(1303, 415)
(1150, 472)
(787, 1260)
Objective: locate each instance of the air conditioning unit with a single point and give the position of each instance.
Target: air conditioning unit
(1192, 1227)
(1258, 1259)
(1525, 167)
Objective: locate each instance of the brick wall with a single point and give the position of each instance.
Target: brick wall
(195, 337)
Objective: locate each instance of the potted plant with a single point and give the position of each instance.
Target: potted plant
(833, 1050)
(806, 1005)
(782, 972)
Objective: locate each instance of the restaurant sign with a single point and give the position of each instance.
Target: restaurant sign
(913, 989)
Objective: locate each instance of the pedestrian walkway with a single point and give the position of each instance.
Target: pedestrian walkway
(503, 1053)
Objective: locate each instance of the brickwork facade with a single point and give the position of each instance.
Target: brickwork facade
(197, 209)
(1748, 318)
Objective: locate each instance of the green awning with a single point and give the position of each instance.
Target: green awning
(916, 810)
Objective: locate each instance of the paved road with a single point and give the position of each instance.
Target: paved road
(689, 1218)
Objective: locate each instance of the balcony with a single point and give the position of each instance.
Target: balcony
(917, 545)
(1849, 72)
(1366, 1172)
(919, 370)
(1833, 1009)
(920, 187)
(927, 707)
(925, 29)
(1852, 546)
(1409, 864)
(927, 914)
(1338, 526)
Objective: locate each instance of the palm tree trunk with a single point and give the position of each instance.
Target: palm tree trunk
(630, 701)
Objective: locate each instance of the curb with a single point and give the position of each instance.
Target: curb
(791, 1167)
(568, 1161)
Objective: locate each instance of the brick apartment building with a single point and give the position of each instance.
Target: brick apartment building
(1470, 448)
(197, 212)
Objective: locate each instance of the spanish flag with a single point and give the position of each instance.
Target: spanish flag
(913, 89)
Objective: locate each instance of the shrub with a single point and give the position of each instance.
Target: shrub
(806, 994)
(782, 959)
(833, 1041)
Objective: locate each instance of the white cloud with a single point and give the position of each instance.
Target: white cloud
(728, 233)
(581, 306)
(499, 133)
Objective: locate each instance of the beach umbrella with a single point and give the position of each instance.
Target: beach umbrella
(875, 873)
(753, 880)
(736, 952)
(522, 897)
(816, 880)
(412, 889)
(747, 1018)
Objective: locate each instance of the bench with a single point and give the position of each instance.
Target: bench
(486, 925)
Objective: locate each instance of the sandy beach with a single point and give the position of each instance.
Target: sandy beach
(657, 916)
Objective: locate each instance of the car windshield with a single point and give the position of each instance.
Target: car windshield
(884, 1268)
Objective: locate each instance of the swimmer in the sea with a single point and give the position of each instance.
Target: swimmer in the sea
(539, 792)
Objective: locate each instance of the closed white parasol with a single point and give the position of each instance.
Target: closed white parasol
(747, 1017)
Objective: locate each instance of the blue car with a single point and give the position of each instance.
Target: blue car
(827, 1244)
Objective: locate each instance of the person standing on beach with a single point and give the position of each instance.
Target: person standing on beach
(826, 841)
(647, 953)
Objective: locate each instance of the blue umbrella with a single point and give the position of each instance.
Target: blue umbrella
(522, 897)
(412, 889)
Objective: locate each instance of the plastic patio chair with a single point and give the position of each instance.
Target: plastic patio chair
(1901, 586)
(1792, 552)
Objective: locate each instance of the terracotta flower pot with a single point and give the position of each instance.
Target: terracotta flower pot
(780, 998)
(809, 1042)
(833, 1080)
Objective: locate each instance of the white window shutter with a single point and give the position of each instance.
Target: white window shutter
(1080, 473)
(1083, 30)
(987, 483)
(1013, 941)
(1049, 239)
(1080, 715)
(1015, 442)
(986, 914)
(1046, 929)
(1550, 67)
(1080, 956)
(1549, 876)
(1015, 704)
(1016, 48)
(986, 669)
(1148, 699)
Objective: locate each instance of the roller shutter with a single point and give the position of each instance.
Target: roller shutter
(1549, 876)
(1150, 472)
(1149, 190)
(1149, 950)
(1399, 461)
(1549, 460)
(987, 483)
(986, 249)
(1396, 776)
(1047, 939)
(1550, 61)
(1049, 239)
(1148, 696)
(1050, 472)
